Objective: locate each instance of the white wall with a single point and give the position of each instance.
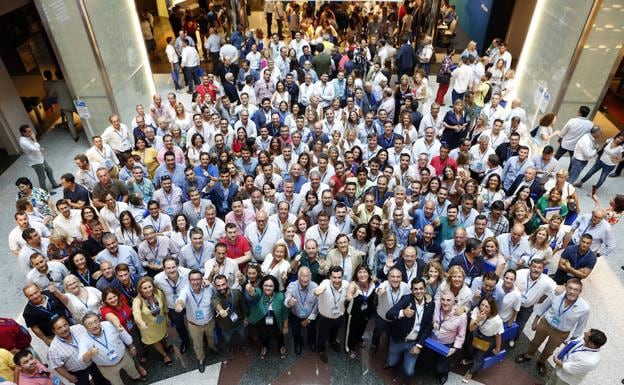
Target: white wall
(12, 113)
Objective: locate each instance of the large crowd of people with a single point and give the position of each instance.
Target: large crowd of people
(314, 185)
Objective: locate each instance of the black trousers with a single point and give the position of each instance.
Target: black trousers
(327, 330)
(269, 332)
(356, 326)
(297, 330)
(83, 376)
(381, 326)
(177, 319)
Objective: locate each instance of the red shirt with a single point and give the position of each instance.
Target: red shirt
(338, 182)
(124, 313)
(238, 249)
(439, 165)
(211, 89)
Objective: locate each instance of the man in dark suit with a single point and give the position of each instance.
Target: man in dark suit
(408, 264)
(262, 116)
(223, 193)
(412, 322)
(530, 179)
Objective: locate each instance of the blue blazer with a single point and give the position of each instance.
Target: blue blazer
(259, 118)
(222, 204)
(401, 327)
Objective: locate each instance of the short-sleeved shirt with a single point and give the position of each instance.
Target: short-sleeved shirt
(577, 261)
(41, 316)
(42, 376)
(80, 193)
(117, 187)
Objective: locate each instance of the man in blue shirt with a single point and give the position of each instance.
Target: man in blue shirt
(424, 216)
(171, 168)
(577, 261)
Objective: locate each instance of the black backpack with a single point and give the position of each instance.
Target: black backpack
(534, 131)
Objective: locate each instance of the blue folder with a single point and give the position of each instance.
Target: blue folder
(437, 346)
(490, 361)
(511, 332)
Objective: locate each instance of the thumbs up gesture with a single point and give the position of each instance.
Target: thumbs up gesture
(250, 289)
(408, 312)
(224, 312)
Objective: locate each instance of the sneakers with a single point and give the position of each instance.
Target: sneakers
(577, 184)
(512, 343)
(201, 366)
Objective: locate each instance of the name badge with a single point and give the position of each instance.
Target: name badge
(555, 322)
(199, 314)
(224, 206)
(258, 250)
(269, 320)
(303, 312)
(324, 250)
(364, 306)
(160, 319)
(233, 317)
(170, 210)
(130, 325)
(335, 311)
(108, 164)
(175, 297)
(111, 355)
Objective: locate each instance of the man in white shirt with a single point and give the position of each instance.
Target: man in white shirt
(16, 242)
(324, 91)
(34, 155)
(595, 225)
(558, 317)
(102, 155)
(577, 358)
(67, 223)
(190, 65)
(573, 130)
(262, 235)
(462, 79)
(323, 233)
(493, 110)
(172, 57)
(172, 281)
(585, 149)
(332, 294)
(118, 136)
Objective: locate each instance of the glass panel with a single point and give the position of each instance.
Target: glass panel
(598, 56)
(553, 35)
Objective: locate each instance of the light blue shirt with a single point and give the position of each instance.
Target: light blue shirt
(125, 254)
(513, 168)
(111, 344)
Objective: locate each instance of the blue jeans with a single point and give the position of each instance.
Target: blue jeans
(457, 96)
(398, 349)
(176, 77)
(524, 314)
(576, 167)
(604, 172)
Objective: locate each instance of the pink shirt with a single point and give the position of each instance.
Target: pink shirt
(241, 223)
(179, 155)
(449, 330)
(40, 377)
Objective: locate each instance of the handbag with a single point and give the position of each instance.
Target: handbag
(443, 78)
(480, 344)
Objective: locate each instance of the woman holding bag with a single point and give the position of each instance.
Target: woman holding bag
(487, 328)
(444, 76)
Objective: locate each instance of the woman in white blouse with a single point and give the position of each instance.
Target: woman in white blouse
(487, 328)
(277, 264)
(79, 299)
(280, 95)
(196, 147)
(183, 119)
(111, 211)
(181, 229)
(129, 232)
(492, 192)
(456, 283)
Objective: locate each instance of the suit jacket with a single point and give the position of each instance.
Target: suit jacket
(335, 259)
(537, 188)
(259, 118)
(218, 199)
(420, 269)
(401, 327)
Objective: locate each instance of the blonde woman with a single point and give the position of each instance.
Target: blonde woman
(79, 299)
(538, 248)
(455, 282)
(149, 310)
(434, 275)
(277, 264)
(492, 257)
(183, 119)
